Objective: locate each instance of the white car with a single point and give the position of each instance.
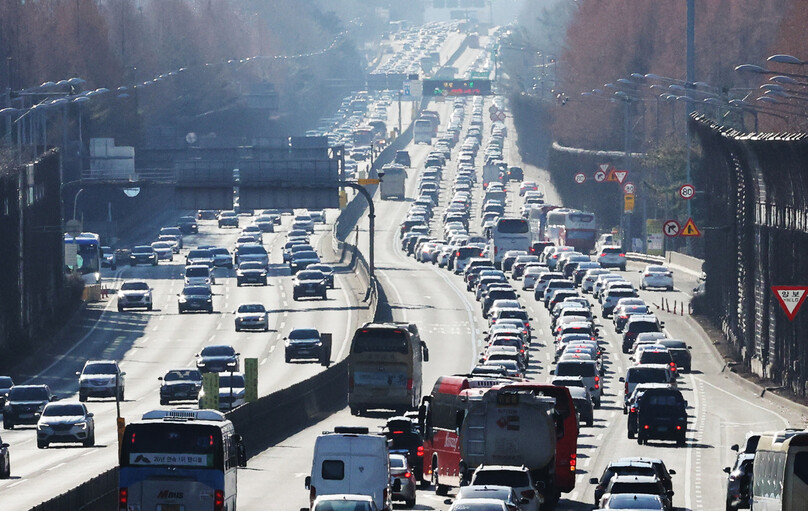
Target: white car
(518, 478)
(612, 257)
(656, 276)
(199, 275)
(65, 422)
(134, 293)
(164, 249)
(252, 316)
(232, 390)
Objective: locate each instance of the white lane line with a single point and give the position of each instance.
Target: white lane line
(282, 325)
(285, 303)
(56, 466)
(272, 348)
(211, 338)
(155, 328)
(785, 421)
(264, 361)
(219, 326)
(285, 314)
(12, 485)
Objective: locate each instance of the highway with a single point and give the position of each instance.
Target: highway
(721, 410)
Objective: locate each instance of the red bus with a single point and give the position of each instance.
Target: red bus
(567, 433)
(438, 420)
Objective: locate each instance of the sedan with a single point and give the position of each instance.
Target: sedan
(199, 298)
(180, 385)
(164, 249)
(400, 471)
(310, 283)
(217, 358)
(251, 272)
(65, 422)
(657, 276)
(143, 254)
(188, 225)
(252, 316)
(327, 270)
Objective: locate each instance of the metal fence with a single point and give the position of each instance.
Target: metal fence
(757, 203)
(32, 283)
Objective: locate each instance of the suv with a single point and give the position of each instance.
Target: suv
(228, 219)
(406, 439)
(639, 323)
(134, 293)
(626, 467)
(188, 225)
(647, 373)
(637, 484)
(661, 414)
(518, 478)
(65, 422)
(739, 481)
(587, 370)
(24, 404)
(101, 378)
(180, 385)
(612, 257)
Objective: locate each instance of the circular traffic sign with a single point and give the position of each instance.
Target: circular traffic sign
(73, 228)
(687, 191)
(580, 177)
(600, 176)
(671, 228)
(628, 188)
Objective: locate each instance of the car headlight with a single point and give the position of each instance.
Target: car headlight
(183, 299)
(232, 363)
(200, 363)
(209, 300)
(239, 273)
(42, 425)
(81, 425)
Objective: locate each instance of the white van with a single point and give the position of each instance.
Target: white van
(199, 275)
(422, 131)
(350, 460)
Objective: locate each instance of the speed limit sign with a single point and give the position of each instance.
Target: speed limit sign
(580, 178)
(687, 191)
(628, 188)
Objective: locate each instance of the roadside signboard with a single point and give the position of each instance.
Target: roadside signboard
(620, 175)
(600, 176)
(690, 229)
(628, 202)
(687, 191)
(580, 178)
(790, 298)
(654, 237)
(671, 228)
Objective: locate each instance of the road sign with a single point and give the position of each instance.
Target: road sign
(501, 116)
(671, 228)
(620, 175)
(407, 91)
(690, 229)
(73, 228)
(493, 109)
(790, 298)
(654, 237)
(628, 202)
(580, 178)
(600, 176)
(687, 191)
(628, 188)
(493, 116)
(369, 181)
(605, 167)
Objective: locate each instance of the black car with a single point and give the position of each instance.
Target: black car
(180, 385)
(251, 272)
(739, 479)
(301, 260)
(515, 174)
(188, 225)
(228, 219)
(407, 439)
(5, 385)
(196, 298)
(661, 414)
(217, 359)
(680, 352)
(631, 467)
(5, 461)
(206, 214)
(327, 270)
(305, 343)
(310, 283)
(25, 403)
(143, 254)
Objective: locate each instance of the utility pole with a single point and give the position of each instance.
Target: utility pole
(691, 78)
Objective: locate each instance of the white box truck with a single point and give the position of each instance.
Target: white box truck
(393, 181)
(350, 460)
(507, 427)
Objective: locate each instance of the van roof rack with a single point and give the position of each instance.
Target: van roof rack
(356, 430)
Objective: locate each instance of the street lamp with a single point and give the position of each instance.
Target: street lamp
(786, 59)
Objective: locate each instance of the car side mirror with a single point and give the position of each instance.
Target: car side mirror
(690, 347)
(448, 502)
(552, 371)
(197, 355)
(661, 323)
(160, 378)
(593, 480)
(4, 445)
(307, 482)
(727, 470)
(735, 447)
(90, 415)
(621, 379)
(78, 373)
(123, 373)
(672, 472)
(54, 398)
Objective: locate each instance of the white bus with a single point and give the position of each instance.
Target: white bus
(394, 183)
(780, 475)
(422, 131)
(509, 234)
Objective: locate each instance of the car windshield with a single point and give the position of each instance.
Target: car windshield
(225, 214)
(134, 286)
(5, 382)
(398, 462)
(183, 375)
(220, 251)
(306, 254)
(655, 357)
(234, 381)
(251, 307)
(321, 267)
(513, 313)
(311, 275)
(161, 245)
(218, 351)
(634, 501)
(576, 369)
(512, 478)
(635, 487)
(647, 375)
(142, 250)
(187, 219)
(28, 394)
(196, 291)
(251, 265)
(200, 254)
(107, 251)
(342, 505)
(61, 410)
(105, 368)
(304, 333)
(197, 271)
(252, 250)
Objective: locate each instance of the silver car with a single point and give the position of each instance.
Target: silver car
(657, 276)
(65, 422)
(101, 378)
(612, 257)
(252, 316)
(400, 470)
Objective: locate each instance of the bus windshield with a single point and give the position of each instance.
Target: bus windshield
(376, 340)
(170, 444)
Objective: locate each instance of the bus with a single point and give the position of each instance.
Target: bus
(555, 221)
(509, 234)
(780, 475)
(579, 231)
(385, 367)
(394, 183)
(83, 255)
(422, 131)
(437, 418)
(180, 459)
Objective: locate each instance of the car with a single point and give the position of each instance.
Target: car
(492, 491)
(310, 283)
(612, 257)
(478, 504)
(625, 466)
(188, 225)
(304, 222)
(143, 254)
(518, 478)
(109, 258)
(739, 481)
(303, 343)
(327, 270)
(302, 259)
(206, 214)
(265, 222)
(680, 352)
(200, 256)
(217, 358)
(255, 232)
(661, 413)
(583, 405)
(252, 316)
(174, 232)
(65, 422)
(400, 471)
(135, 293)
(232, 391)
(164, 249)
(406, 439)
(251, 252)
(199, 275)
(221, 257)
(174, 240)
(5, 460)
(635, 501)
(198, 298)
(639, 323)
(656, 276)
(6, 382)
(251, 272)
(228, 219)
(24, 404)
(317, 216)
(344, 502)
(180, 385)
(101, 378)
(588, 370)
(649, 485)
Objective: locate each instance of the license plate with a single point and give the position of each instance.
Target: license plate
(26, 415)
(662, 428)
(170, 507)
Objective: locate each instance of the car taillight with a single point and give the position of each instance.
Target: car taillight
(647, 275)
(603, 254)
(407, 475)
(312, 494)
(420, 451)
(624, 317)
(573, 462)
(409, 384)
(678, 427)
(532, 250)
(621, 255)
(646, 427)
(626, 387)
(633, 409)
(597, 382)
(123, 499)
(457, 254)
(218, 500)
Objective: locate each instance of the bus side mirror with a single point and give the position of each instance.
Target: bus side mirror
(425, 350)
(307, 482)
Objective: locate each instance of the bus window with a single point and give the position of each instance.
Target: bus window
(513, 226)
(801, 466)
(384, 340)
